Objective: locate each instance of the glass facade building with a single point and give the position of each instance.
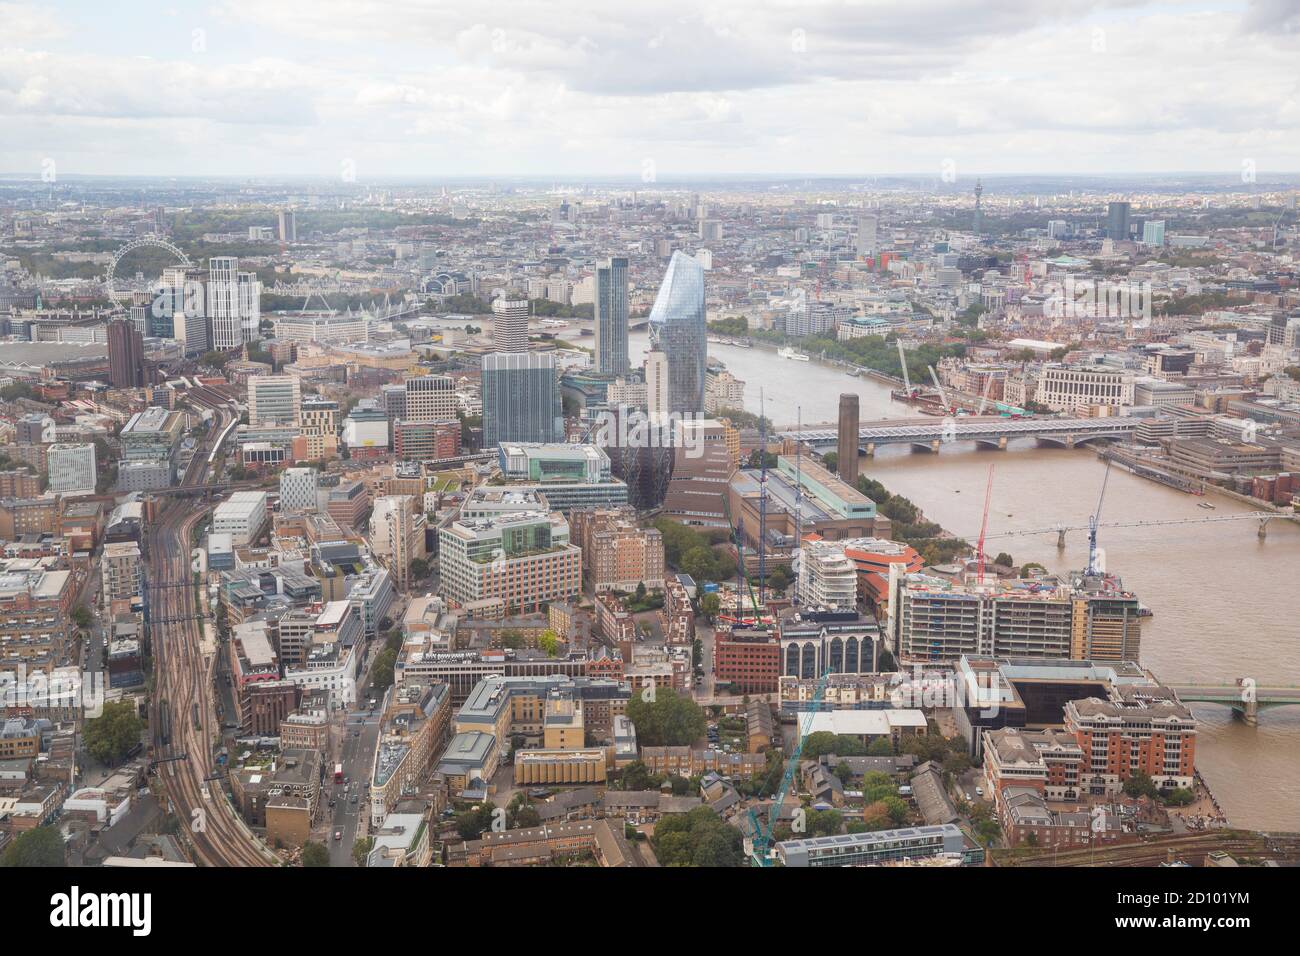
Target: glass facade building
(521, 398)
(678, 328)
(611, 317)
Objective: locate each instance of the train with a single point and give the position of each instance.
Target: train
(194, 715)
(164, 725)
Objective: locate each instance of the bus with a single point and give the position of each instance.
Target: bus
(338, 773)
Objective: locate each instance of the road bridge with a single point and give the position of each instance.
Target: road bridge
(995, 431)
(1246, 697)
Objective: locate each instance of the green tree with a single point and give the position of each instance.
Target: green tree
(82, 617)
(710, 605)
(669, 720)
(361, 850)
(881, 747)
(1005, 560)
(1141, 785)
(699, 838)
(42, 846)
(381, 673)
(109, 736)
(419, 569)
(831, 460)
(549, 641)
(315, 854)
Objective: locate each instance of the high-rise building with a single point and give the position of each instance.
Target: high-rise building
(1153, 232)
(288, 226)
(126, 368)
(1117, 219)
(656, 385)
(847, 455)
(122, 576)
(611, 317)
(429, 398)
(274, 400)
(72, 469)
(678, 328)
(397, 535)
(521, 398)
(867, 235)
(510, 324)
(298, 490)
(234, 305)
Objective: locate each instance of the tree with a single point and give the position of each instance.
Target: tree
(640, 591)
(419, 569)
(361, 850)
(1141, 785)
(710, 605)
(549, 641)
(315, 854)
(699, 838)
(668, 720)
(1004, 559)
(381, 673)
(42, 846)
(699, 563)
(109, 736)
(1032, 568)
(831, 460)
(881, 747)
(82, 617)
(471, 823)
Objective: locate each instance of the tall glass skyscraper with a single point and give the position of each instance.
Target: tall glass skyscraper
(521, 398)
(611, 317)
(678, 328)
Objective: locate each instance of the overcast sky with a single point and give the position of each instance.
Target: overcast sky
(612, 87)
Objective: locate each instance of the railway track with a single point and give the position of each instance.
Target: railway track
(183, 687)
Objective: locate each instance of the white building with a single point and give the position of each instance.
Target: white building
(72, 469)
(234, 303)
(242, 516)
(298, 490)
(827, 578)
(430, 398)
(274, 400)
(510, 325)
(1076, 387)
(656, 385)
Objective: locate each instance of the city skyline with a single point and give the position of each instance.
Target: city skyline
(329, 89)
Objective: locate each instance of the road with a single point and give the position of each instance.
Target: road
(183, 685)
(357, 755)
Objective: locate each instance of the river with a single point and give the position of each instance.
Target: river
(1225, 603)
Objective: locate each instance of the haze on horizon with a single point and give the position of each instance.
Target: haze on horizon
(657, 91)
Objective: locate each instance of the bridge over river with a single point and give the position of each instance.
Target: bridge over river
(994, 431)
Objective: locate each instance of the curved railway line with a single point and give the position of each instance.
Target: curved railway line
(187, 727)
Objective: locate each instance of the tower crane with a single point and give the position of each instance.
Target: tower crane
(1093, 521)
(762, 839)
(984, 527)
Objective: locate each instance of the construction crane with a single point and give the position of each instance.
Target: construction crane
(984, 528)
(762, 839)
(902, 362)
(1093, 522)
(762, 497)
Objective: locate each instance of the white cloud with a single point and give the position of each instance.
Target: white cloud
(850, 86)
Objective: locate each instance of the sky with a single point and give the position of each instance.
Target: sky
(643, 90)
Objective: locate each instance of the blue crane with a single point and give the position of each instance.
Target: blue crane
(762, 840)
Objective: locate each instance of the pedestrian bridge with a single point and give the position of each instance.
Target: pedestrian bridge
(1245, 696)
(995, 431)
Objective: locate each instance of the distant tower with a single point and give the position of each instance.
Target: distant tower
(847, 452)
(979, 213)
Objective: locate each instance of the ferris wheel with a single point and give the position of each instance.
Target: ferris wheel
(142, 242)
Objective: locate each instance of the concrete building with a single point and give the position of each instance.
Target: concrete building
(397, 535)
(72, 469)
(522, 560)
(510, 325)
(430, 398)
(243, 516)
(298, 490)
(274, 400)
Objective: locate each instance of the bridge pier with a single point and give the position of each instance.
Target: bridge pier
(1248, 711)
(871, 449)
(1060, 540)
(1263, 529)
(934, 445)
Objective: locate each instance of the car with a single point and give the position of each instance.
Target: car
(354, 798)
(979, 791)
(338, 835)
